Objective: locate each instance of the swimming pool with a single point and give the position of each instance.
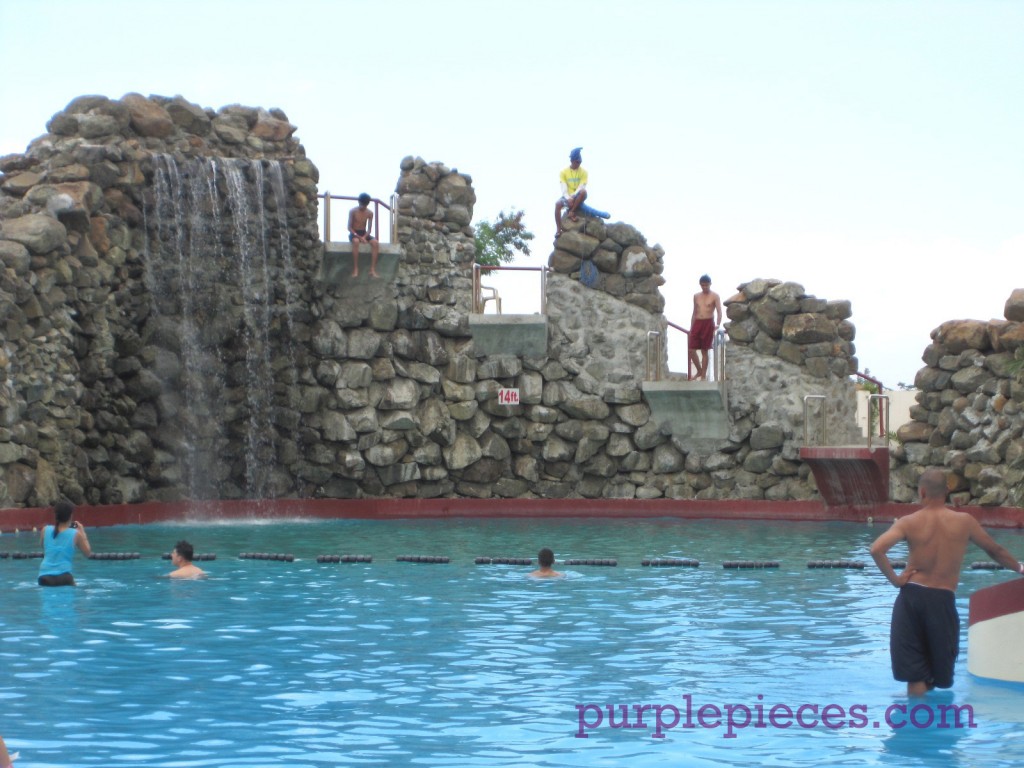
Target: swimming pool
(392, 663)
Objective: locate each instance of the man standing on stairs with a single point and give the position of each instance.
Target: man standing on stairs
(707, 316)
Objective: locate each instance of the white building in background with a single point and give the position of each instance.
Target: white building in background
(900, 401)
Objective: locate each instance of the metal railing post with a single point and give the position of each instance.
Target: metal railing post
(394, 218)
(327, 217)
(719, 350)
(807, 399)
(327, 197)
(477, 309)
(720, 374)
(883, 420)
(478, 287)
(653, 364)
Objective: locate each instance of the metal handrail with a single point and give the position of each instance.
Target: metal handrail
(689, 363)
(808, 398)
(653, 360)
(478, 304)
(719, 351)
(718, 372)
(327, 197)
(883, 421)
(872, 379)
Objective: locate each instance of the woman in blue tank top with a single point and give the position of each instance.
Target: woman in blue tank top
(59, 543)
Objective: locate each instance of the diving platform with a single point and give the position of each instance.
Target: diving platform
(522, 335)
(336, 265)
(688, 409)
(849, 475)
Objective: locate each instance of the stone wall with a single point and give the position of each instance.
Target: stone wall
(779, 319)
(150, 353)
(784, 345)
(628, 268)
(92, 400)
(969, 419)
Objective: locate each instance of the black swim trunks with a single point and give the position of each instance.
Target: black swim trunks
(57, 580)
(360, 233)
(924, 639)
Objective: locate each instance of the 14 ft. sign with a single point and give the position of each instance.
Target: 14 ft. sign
(508, 396)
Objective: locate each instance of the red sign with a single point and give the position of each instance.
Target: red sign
(508, 396)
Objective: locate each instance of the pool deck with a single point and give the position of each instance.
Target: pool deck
(413, 509)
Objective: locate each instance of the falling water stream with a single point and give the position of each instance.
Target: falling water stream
(217, 239)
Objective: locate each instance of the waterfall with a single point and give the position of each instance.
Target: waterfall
(289, 275)
(210, 272)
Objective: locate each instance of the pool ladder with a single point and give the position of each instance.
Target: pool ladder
(822, 432)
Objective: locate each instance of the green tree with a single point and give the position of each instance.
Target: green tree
(497, 242)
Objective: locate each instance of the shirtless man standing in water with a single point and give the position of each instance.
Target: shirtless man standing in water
(707, 316)
(924, 639)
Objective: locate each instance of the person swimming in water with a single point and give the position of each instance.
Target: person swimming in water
(546, 559)
(181, 557)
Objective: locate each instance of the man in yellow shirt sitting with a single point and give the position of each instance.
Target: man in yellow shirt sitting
(574, 187)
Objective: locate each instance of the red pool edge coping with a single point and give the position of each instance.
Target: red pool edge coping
(995, 601)
(420, 509)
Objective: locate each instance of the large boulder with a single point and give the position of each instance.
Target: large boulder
(40, 234)
(1014, 308)
(958, 335)
(808, 328)
(147, 117)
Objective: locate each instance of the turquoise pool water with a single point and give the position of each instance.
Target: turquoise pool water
(393, 664)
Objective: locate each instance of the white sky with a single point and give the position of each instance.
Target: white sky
(870, 150)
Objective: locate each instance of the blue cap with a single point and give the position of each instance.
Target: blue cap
(576, 154)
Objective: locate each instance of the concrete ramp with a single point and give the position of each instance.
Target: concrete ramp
(849, 475)
(688, 409)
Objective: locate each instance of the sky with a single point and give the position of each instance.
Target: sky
(870, 150)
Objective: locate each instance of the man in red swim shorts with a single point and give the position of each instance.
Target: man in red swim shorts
(707, 316)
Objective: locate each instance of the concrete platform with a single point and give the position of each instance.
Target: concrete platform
(688, 409)
(336, 267)
(849, 475)
(523, 335)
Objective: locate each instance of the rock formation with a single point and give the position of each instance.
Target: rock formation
(97, 274)
(628, 268)
(784, 345)
(168, 335)
(968, 419)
